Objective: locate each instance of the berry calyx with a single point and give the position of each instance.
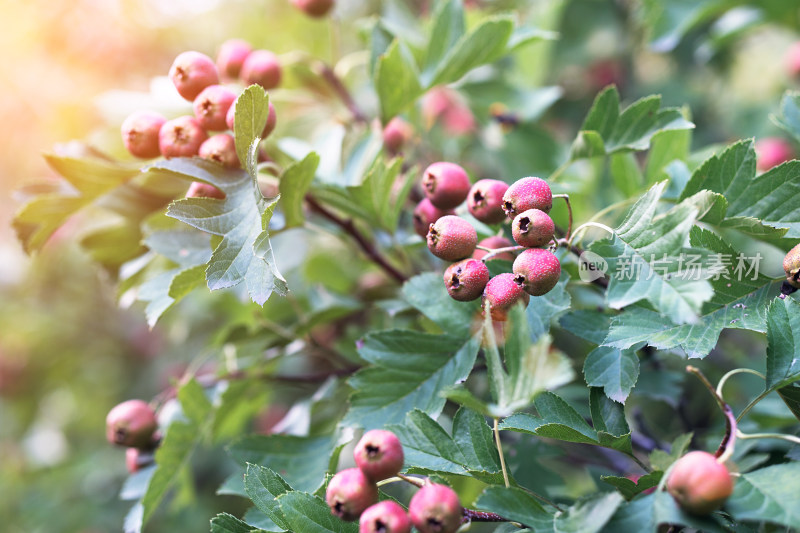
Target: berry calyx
(445, 184)
(131, 423)
(466, 279)
(349, 493)
(537, 271)
(533, 228)
(451, 238)
(314, 8)
(379, 454)
(272, 120)
(485, 201)
(262, 67)
(181, 137)
(211, 107)
(494, 243)
(140, 133)
(191, 72)
(385, 517)
(502, 292)
(222, 149)
(396, 134)
(699, 483)
(771, 152)
(426, 214)
(791, 266)
(231, 57)
(527, 193)
(435, 509)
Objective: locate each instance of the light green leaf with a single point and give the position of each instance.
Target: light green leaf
(250, 117)
(225, 523)
(767, 495)
(396, 80)
(263, 486)
(629, 488)
(547, 308)
(448, 27)
(294, 183)
(309, 514)
(662, 460)
(427, 293)
(613, 369)
(783, 338)
(788, 116)
(515, 504)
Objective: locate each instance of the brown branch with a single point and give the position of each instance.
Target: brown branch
(729, 440)
(367, 247)
(341, 91)
(471, 515)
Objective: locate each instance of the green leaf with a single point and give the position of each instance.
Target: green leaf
(185, 281)
(396, 80)
(514, 504)
(263, 486)
(294, 183)
(783, 343)
(613, 369)
(608, 418)
(629, 488)
(646, 513)
(547, 308)
(241, 219)
(448, 27)
(662, 460)
(668, 22)
(625, 173)
(427, 293)
(194, 403)
(377, 196)
(788, 116)
(525, 35)
(665, 148)
(767, 495)
(310, 514)
(250, 117)
(225, 523)
(408, 370)
(791, 397)
(588, 325)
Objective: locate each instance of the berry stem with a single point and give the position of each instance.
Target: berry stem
(328, 74)
(580, 229)
(413, 480)
(781, 436)
(500, 451)
(497, 251)
(569, 210)
(733, 373)
(728, 443)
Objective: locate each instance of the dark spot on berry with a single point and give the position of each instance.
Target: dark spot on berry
(206, 107)
(119, 435)
(372, 451)
(524, 224)
(508, 207)
(478, 198)
(455, 282)
(519, 279)
(338, 509)
(380, 527)
(436, 524)
(429, 182)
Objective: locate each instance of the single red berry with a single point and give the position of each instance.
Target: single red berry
(527, 193)
(198, 189)
(771, 152)
(131, 423)
(314, 8)
(426, 214)
(494, 243)
(445, 106)
(231, 57)
(379, 454)
(396, 134)
(211, 107)
(466, 279)
(385, 517)
(262, 67)
(435, 509)
(445, 184)
(502, 292)
(191, 72)
(485, 201)
(791, 266)
(140, 133)
(137, 458)
(537, 271)
(349, 493)
(699, 483)
(222, 149)
(272, 120)
(181, 137)
(533, 228)
(451, 238)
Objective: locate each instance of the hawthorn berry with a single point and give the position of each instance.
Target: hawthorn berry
(314, 8)
(261, 67)
(533, 228)
(181, 137)
(791, 266)
(537, 271)
(485, 200)
(451, 238)
(272, 120)
(445, 106)
(198, 189)
(445, 184)
(466, 279)
(191, 72)
(385, 517)
(771, 152)
(502, 292)
(699, 483)
(211, 107)
(222, 149)
(426, 214)
(792, 59)
(131, 423)
(494, 242)
(527, 193)
(396, 134)
(231, 57)
(140, 133)
(349, 493)
(435, 509)
(137, 458)
(379, 454)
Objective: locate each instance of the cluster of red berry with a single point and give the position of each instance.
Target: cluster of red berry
(133, 424)
(352, 494)
(526, 203)
(196, 77)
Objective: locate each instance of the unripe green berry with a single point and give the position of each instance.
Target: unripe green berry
(451, 238)
(466, 279)
(435, 509)
(533, 228)
(426, 214)
(445, 184)
(527, 193)
(699, 483)
(502, 292)
(349, 493)
(485, 201)
(537, 271)
(494, 242)
(385, 517)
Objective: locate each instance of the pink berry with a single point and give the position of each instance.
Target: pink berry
(771, 152)
(379, 454)
(444, 105)
(131, 423)
(494, 242)
(136, 459)
(537, 271)
(435, 509)
(272, 120)
(396, 134)
(466, 279)
(181, 137)
(445, 184)
(699, 483)
(384, 517)
(426, 214)
(314, 8)
(533, 228)
(231, 56)
(349, 493)
(198, 189)
(140, 133)
(191, 72)
(485, 201)
(222, 149)
(502, 292)
(792, 59)
(451, 238)
(262, 67)
(211, 107)
(527, 193)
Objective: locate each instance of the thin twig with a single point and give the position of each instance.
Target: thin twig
(726, 447)
(471, 515)
(569, 210)
(497, 251)
(341, 91)
(500, 452)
